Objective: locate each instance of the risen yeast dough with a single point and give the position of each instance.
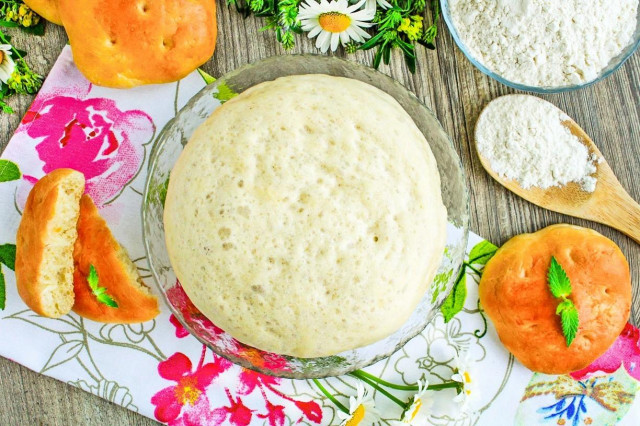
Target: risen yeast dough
(304, 217)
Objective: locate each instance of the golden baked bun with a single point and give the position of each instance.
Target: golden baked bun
(48, 9)
(122, 43)
(96, 246)
(515, 294)
(44, 243)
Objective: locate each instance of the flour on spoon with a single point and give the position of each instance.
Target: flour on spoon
(523, 138)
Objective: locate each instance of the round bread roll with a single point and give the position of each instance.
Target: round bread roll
(514, 292)
(304, 217)
(48, 9)
(123, 43)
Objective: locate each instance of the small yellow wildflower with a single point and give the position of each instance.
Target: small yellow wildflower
(412, 27)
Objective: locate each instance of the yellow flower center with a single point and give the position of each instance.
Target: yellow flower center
(186, 391)
(334, 22)
(416, 409)
(357, 416)
(467, 379)
(1, 56)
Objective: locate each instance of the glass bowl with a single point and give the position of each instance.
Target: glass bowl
(606, 72)
(176, 134)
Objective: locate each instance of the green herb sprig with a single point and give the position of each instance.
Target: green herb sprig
(99, 292)
(14, 13)
(401, 26)
(560, 287)
(23, 80)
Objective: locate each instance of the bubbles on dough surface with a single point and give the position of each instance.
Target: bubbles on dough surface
(321, 222)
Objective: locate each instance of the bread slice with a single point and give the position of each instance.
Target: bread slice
(45, 241)
(116, 273)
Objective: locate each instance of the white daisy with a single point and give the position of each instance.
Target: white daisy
(464, 375)
(335, 22)
(418, 411)
(373, 4)
(6, 63)
(362, 410)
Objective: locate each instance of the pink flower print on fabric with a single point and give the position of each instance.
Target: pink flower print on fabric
(92, 136)
(190, 385)
(180, 330)
(624, 351)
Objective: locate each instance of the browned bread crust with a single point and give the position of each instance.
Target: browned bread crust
(124, 43)
(96, 246)
(44, 243)
(48, 9)
(515, 294)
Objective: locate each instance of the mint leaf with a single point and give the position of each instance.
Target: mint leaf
(481, 253)
(107, 300)
(99, 292)
(455, 300)
(3, 295)
(92, 278)
(9, 171)
(560, 287)
(8, 255)
(570, 321)
(559, 283)
(563, 306)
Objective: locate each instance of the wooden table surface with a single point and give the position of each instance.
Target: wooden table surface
(448, 84)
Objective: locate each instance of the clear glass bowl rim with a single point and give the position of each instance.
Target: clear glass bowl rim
(152, 163)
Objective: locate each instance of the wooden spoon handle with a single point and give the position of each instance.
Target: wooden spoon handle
(622, 213)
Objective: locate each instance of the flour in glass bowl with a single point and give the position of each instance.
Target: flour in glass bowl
(522, 138)
(545, 43)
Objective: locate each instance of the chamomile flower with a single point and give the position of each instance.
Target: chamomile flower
(7, 66)
(464, 375)
(335, 22)
(418, 411)
(362, 410)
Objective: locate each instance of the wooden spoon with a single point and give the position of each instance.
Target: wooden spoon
(609, 204)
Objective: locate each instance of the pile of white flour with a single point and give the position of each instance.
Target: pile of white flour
(523, 139)
(545, 42)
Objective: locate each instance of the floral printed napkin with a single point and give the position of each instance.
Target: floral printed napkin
(171, 377)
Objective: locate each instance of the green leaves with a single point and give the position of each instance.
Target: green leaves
(569, 319)
(224, 93)
(481, 253)
(208, 79)
(9, 171)
(23, 79)
(560, 287)
(8, 258)
(99, 292)
(8, 255)
(559, 283)
(3, 294)
(455, 301)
